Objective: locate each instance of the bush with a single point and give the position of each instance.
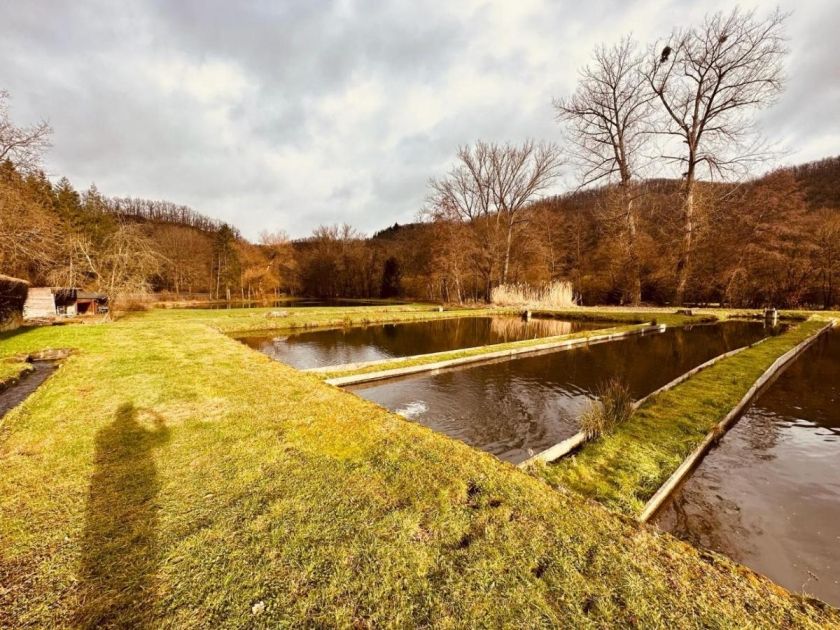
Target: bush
(13, 292)
(613, 407)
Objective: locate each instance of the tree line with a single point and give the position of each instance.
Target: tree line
(660, 138)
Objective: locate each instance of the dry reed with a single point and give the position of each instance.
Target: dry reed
(558, 294)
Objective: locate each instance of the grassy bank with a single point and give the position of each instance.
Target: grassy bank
(169, 475)
(625, 468)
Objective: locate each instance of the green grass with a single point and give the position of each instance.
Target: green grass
(610, 314)
(624, 469)
(168, 475)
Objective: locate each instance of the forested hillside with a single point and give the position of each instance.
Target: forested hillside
(772, 240)
(775, 240)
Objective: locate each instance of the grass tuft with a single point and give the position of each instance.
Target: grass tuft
(613, 408)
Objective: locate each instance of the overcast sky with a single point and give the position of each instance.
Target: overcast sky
(285, 115)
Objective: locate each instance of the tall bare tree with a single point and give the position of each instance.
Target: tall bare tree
(23, 146)
(709, 80)
(608, 118)
(490, 188)
(519, 175)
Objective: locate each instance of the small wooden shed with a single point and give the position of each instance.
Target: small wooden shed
(46, 302)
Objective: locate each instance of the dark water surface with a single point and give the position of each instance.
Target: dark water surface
(319, 348)
(517, 407)
(16, 394)
(769, 494)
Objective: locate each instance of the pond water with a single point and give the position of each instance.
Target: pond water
(16, 394)
(517, 407)
(768, 495)
(319, 348)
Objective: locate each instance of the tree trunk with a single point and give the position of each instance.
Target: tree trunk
(684, 261)
(635, 266)
(507, 252)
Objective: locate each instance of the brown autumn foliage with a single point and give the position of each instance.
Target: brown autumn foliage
(773, 240)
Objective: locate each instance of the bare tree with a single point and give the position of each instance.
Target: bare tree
(28, 234)
(608, 118)
(709, 79)
(119, 267)
(519, 175)
(490, 188)
(23, 146)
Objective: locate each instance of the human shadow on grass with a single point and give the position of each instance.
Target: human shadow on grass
(120, 555)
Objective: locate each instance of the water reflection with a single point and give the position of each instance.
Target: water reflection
(320, 348)
(769, 494)
(516, 407)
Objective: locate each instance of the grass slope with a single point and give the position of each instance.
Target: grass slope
(168, 475)
(625, 468)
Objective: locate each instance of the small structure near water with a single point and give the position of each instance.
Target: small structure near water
(48, 302)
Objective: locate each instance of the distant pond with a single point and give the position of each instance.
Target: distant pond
(516, 407)
(768, 495)
(320, 348)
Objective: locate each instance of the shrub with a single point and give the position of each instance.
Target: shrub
(613, 407)
(13, 292)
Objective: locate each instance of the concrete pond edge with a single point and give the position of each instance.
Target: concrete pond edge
(689, 463)
(564, 344)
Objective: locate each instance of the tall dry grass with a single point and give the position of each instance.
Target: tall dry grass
(613, 407)
(554, 295)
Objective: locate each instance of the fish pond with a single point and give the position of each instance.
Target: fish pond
(517, 407)
(336, 346)
(768, 495)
